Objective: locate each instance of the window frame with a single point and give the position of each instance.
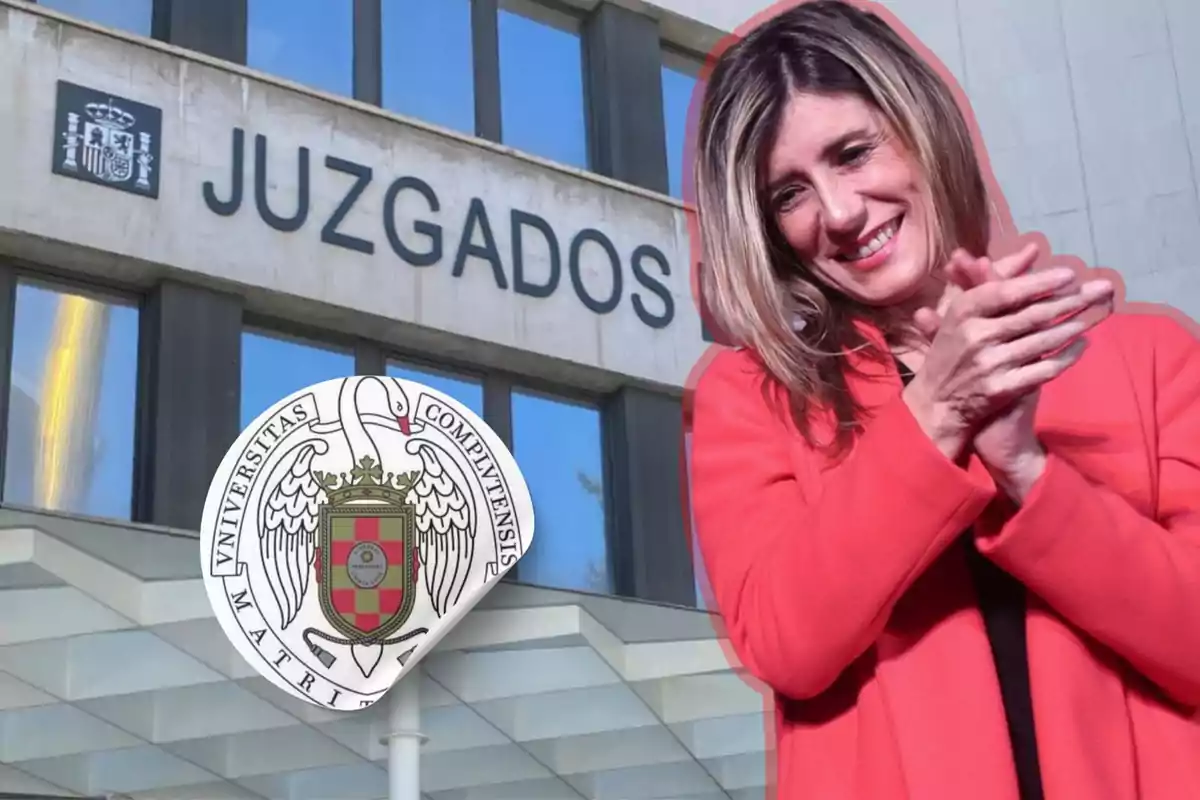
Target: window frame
(13, 273)
(561, 17)
(550, 391)
(359, 48)
(681, 61)
(369, 48)
(292, 333)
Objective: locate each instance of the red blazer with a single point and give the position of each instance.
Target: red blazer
(839, 591)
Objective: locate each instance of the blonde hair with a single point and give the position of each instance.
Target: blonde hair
(753, 284)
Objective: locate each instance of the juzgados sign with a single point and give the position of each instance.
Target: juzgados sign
(425, 243)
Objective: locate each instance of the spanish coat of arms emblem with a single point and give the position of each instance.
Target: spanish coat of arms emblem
(107, 140)
(351, 526)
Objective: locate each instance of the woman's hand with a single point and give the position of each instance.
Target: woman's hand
(1008, 445)
(996, 342)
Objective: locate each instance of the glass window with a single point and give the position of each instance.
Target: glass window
(465, 390)
(274, 366)
(678, 85)
(558, 447)
(428, 67)
(541, 83)
(126, 15)
(72, 403)
(306, 41)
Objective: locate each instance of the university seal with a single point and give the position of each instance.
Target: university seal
(350, 527)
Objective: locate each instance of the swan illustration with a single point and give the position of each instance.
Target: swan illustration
(364, 450)
(445, 519)
(353, 420)
(290, 516)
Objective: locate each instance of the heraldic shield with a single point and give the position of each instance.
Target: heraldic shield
(368, 558)
(366, 591)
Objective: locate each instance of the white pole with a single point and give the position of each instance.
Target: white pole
(404, 738)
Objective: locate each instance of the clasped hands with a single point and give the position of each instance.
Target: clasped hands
(992, 346)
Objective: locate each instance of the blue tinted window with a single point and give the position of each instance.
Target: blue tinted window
(541, 86)
(71, 403)
(126, 15)
(467, 391)
(678, 86)
(306, 41)
(557, 445)
(273, 367)
(428, 69)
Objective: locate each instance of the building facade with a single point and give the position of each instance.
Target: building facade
(208, 204)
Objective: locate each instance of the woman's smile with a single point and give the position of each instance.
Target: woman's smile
(875, 248)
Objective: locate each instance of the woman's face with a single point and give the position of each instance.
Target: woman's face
(847, 196)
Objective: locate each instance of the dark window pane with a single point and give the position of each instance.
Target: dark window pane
(427, 61)
(126, 15)
(678, 84)
(541, 85)
(274, 367)
(558, 447)
(467, 391)
(306, 41)
(72, 403)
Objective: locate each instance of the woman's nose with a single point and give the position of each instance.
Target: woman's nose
(842, 208)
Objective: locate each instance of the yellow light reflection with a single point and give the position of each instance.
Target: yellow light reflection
(69, 402)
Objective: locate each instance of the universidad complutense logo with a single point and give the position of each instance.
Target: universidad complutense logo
(351, 526)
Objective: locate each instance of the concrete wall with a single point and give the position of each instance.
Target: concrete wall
(1090, 110)
(650, 332)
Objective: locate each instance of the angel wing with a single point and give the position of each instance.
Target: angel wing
(445, 525)
(288, 529)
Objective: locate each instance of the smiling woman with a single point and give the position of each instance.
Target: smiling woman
(845, 147)
(919, 518)
(846, 131)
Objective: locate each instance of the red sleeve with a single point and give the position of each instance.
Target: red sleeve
(1131, 582)
(804, 569)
